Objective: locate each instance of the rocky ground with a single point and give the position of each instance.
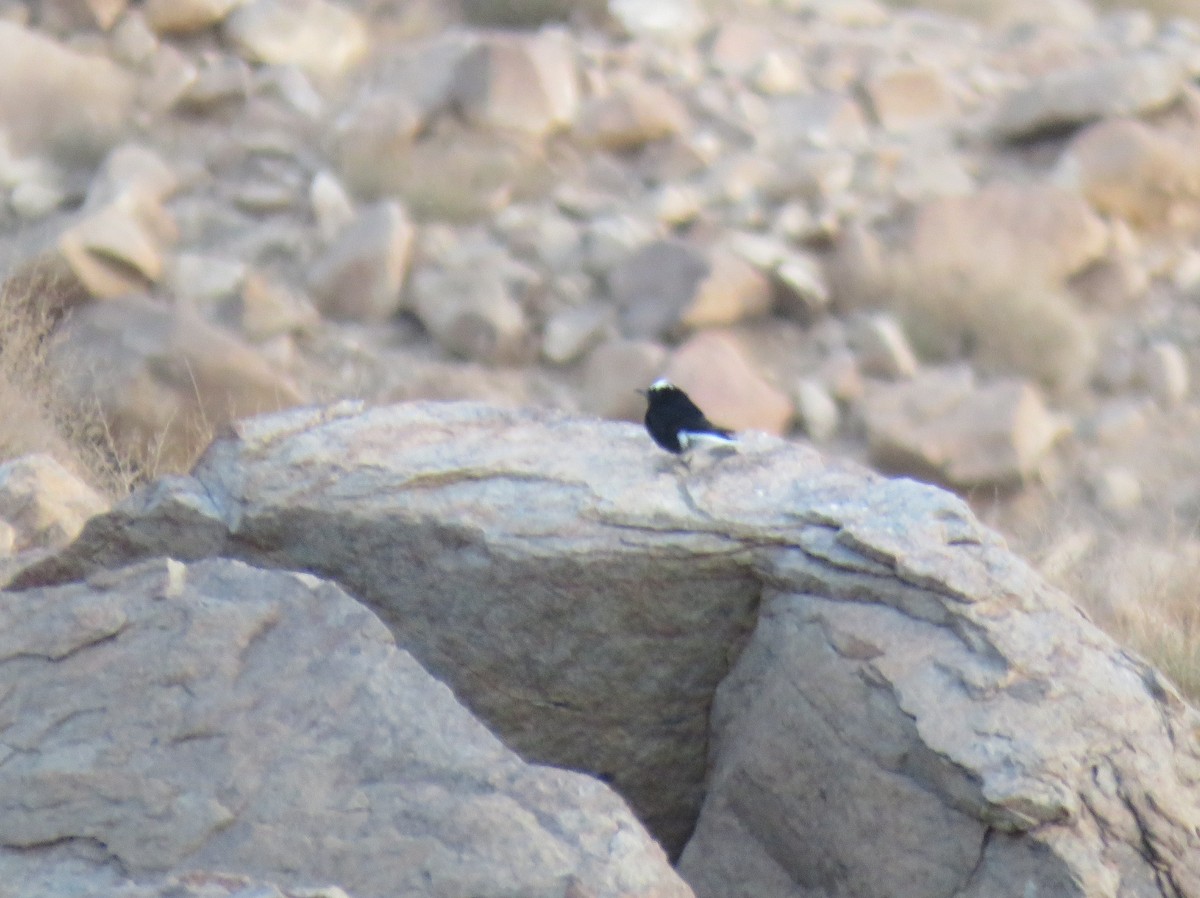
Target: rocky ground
(954, 240)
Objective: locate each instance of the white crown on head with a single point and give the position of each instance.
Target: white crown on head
(662, 384)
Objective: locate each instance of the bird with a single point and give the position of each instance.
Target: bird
(676, 424)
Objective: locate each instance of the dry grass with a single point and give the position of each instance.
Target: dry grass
(36, 418)
(1138, 578)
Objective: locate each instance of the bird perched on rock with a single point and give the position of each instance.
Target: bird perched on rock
(676, 423)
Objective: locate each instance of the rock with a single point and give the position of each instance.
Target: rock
(857, 269)
(680, 21)
(585, 595)
(471, 314)
(117, 249)
(816, 409)
(609, 240)
(572, 332)
(519, 82)
(317, 35)
(714, 371)
(1105, 88)
(1117, 490)
(43, 87)
(802, 291)
(331, 204)
(46, 503)
(276, 732)
(1043, 232)
(1126, 168)
(204, 281)
(737, 47)
(1118, 282)
(882, 347)
(361, 275)
(944, 427)
(934, 792)
(1164, 371)
(821, 119)
(669, 285)
(68, 14)
(1120, 421)
(613, 373)
(162, 378)
(907, 97)
(633, 115)
(269, 309)
(187, 16)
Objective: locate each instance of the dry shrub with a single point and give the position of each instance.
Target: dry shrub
(36, 418)
(1138, 579)
(1002, 321)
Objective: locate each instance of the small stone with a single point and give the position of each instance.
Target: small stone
(218, 82)
(672, 284)
(204, 279)
(36, 199)
(133, 43)
(803, 292)
(1117, 490)
(777, 74)
(269, 309)
(331, 204)
(717, 374)
(472, 314)
(678, 204)
(816, 409)
(187, 16)
(572, 332)
(360, 276)
(520, 82)
(680, 21)
(1165, 373)
(1119, 422)
(823, 120)
(907, 97)
(882, 347)
(8, 539)
(1112, 283)
(738, 46)
(316, 35)
(46, 503)
(610, 240)
(116, 249)
(631, 117)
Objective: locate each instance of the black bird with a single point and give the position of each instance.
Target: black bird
(675, 423)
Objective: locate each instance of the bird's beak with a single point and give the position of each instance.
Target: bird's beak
(642, 393)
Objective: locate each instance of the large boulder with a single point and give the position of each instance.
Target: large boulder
(915, 705)
(165, 719)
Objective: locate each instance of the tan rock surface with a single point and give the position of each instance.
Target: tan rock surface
(944, 426)
(45, 502)
(275, 732)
